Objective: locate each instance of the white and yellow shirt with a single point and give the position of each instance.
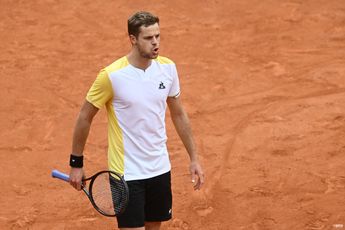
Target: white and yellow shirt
(136, 103)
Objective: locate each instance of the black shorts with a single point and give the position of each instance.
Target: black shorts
(150, 200)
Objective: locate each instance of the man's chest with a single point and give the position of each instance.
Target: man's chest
(137, 87)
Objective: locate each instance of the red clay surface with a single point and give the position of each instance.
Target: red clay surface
(263, 82)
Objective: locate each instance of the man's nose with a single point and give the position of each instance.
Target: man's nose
(154, 41)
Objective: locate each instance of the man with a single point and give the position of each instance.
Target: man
(135, 90)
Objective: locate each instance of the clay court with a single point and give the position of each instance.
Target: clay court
(263, 83)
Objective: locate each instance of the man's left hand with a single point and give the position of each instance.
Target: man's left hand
(198, 177)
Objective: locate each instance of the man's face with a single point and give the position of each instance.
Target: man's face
(147, 41)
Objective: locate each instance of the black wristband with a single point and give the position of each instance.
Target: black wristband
(76, 161)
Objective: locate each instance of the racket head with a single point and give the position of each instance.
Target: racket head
(108, 193)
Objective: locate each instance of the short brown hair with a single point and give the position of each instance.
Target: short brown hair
(139, 19)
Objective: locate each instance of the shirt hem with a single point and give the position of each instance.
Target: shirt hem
(143, 177)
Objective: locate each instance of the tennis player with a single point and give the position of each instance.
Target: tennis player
(136, 90)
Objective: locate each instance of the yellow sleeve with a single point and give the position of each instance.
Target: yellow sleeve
(101, 90)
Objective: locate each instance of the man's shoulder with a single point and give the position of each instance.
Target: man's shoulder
(163, 60)
(117, 65)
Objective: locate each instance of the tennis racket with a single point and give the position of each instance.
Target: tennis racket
(107, 191)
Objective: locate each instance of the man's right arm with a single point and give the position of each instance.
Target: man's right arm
(81, 132)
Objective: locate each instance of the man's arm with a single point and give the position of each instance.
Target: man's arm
(81, 132)
(183, 128)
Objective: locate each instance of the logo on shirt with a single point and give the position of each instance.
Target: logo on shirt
(161, 86)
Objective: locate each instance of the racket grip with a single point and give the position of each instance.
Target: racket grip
(60, 175)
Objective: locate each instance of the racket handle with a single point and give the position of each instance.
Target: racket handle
(60, 175)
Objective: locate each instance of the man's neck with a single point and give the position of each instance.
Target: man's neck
(137, 61)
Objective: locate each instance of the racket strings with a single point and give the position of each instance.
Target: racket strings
(109, 193)
(119, 195)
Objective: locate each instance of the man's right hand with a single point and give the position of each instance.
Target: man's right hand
(76, 176)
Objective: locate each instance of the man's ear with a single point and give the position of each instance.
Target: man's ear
(133, 39)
